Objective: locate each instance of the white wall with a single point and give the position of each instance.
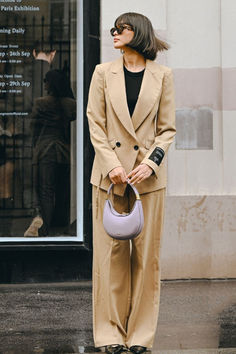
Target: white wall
(202, 33)
(228, 61)
(193, 30)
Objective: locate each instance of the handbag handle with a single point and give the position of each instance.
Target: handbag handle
(137, 196)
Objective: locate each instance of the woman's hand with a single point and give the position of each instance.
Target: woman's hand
(140, 173)
(118, 175)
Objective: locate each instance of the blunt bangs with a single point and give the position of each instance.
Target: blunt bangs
(144, 41)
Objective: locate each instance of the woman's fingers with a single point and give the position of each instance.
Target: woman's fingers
(136, 176)
(139, 177)
(124, 177)
(118, 175)
(140, 173)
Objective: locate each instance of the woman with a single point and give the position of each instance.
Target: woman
(51, 118)
(131, 115)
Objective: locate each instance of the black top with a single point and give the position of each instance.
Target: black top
(133, 83)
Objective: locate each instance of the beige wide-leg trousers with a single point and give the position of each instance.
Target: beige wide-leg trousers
(126, 274)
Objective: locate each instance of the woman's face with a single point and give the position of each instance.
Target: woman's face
(123, 34)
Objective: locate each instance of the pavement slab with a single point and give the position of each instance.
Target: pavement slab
(195, 317)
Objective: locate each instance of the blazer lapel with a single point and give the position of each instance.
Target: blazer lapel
(150, 89)
(117, 94)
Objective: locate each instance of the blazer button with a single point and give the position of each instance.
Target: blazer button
(118, 144)
(136, 147)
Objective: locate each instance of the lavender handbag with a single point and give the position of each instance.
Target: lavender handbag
(123, 226)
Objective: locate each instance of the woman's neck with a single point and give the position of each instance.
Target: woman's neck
(133, 61)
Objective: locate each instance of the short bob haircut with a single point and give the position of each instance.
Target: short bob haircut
(144, 41)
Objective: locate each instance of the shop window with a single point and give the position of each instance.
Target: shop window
(41, 121)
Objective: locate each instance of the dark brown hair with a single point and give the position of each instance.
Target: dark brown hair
(40, 46)
(58, 83)
(144, 41)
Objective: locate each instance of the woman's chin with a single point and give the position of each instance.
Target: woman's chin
(118, 46)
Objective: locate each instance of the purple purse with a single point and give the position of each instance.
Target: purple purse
(123, 226)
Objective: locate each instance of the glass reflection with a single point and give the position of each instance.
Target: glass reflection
(37, 42)
(51, 119)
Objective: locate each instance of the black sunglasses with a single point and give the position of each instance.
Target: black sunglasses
(120, 29)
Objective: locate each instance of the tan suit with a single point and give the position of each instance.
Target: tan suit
(126, 276)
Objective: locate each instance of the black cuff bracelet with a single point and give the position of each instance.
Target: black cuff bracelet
(157, 155)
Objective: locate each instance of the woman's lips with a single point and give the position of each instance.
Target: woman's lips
(116, 39)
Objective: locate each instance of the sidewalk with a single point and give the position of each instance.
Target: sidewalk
(196, 317)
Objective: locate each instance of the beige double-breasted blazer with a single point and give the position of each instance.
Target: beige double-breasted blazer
(121, 140)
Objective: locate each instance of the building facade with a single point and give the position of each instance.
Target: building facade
(200, 221)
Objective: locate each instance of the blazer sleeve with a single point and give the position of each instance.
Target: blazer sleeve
(96, 113)
(165, 124)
